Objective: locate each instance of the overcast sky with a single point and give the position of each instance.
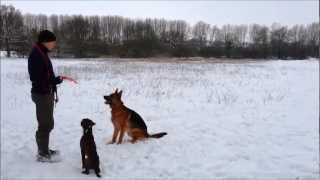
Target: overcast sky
(212, 12)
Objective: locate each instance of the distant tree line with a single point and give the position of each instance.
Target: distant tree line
(115, 36)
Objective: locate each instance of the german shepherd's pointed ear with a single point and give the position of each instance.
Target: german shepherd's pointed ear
(120, 93)
(116, 92)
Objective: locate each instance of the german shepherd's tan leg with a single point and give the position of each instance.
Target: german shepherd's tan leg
(115, 135)
(122, 130)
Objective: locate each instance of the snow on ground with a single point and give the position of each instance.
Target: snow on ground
(248, 120)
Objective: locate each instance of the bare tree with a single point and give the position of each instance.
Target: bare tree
(213, 36)
(76, 33)
(201, 32)
(279, 38)
(11, 28)
(258, 38)
(313, 39)
(297, 36)
(227, 38)
(240, 35)
(128, 29)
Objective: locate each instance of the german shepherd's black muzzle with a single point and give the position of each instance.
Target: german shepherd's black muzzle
(107, 99)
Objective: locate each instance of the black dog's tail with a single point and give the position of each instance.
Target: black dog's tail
(157, 135)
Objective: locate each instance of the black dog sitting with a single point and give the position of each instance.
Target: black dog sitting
(90, 158)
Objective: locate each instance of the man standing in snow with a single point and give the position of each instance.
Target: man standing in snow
(44, 87)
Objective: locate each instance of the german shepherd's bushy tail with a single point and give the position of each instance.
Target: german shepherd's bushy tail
(157, 135)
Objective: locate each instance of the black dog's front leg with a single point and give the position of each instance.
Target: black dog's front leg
(82, 156)
(97, 171)
(84, 165)
(97, 162)
(86, 171)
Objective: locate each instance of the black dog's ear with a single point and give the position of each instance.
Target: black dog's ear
(83, 122)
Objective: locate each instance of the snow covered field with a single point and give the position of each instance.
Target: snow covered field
(248, 120)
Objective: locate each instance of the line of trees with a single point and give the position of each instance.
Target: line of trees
(102, 36)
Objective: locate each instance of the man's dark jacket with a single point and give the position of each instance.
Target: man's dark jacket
(41, 72)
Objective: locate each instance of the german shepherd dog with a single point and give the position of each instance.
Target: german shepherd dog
(90, 158)
(127, 120)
